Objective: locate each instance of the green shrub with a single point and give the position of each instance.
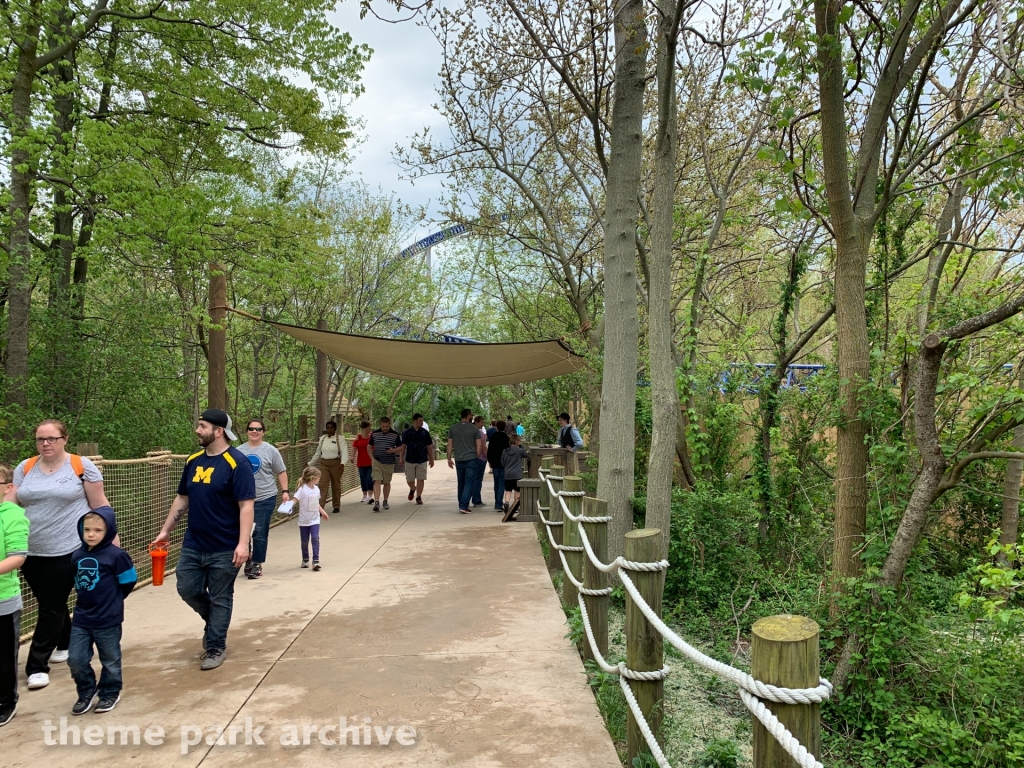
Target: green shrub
(719, 753)
(712, 548)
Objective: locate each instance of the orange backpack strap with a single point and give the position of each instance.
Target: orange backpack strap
(76, 465)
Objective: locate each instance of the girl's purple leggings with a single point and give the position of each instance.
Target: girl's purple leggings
(308, 532)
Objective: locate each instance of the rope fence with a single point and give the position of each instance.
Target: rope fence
(141, 491)
(784, 648)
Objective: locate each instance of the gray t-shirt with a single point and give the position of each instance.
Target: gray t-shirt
(463, 436)
(267, 464)
(53, 505)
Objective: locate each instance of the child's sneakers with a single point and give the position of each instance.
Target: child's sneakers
(305, 564)
(316, 565)
(107, 704)
(256, 571)
(84, 704)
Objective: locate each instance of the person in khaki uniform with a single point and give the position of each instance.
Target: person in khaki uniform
(331, 456)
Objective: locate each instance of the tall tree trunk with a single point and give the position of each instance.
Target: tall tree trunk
(62, 330)
(664, 396)
(19, 271)
(394, 397)
(853, 350)
(321, 382)
(1009, 528)
(768, 392)
(618, 392)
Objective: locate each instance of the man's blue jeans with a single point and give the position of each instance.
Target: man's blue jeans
(465, 471)
(108, 645)
(478, 480)
(206, 582)
(499, 487)
(263, 511)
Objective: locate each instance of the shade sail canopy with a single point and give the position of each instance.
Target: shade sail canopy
(474, 365)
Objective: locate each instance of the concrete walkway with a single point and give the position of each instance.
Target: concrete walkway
(422, 617)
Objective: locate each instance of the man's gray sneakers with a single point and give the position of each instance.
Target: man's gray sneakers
(213, 658)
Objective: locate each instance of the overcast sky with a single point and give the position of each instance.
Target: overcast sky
(400, 84)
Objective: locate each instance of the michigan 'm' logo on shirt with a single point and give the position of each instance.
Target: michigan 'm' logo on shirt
(203, 475)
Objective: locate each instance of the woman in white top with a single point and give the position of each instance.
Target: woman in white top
(56, 493)
(330, 457)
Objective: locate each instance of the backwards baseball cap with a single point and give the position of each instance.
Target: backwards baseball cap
(219, 418)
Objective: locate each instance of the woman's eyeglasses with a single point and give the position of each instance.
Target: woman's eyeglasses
(255, 429)
(48, 440)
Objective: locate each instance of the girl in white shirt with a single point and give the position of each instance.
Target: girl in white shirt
(307, 496)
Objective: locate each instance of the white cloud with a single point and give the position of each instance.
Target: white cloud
(400, 81)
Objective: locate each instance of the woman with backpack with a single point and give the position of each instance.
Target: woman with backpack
(56, 489)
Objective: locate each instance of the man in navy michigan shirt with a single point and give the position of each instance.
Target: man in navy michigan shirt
(217, 490)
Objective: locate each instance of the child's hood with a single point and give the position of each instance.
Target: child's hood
(109, 517)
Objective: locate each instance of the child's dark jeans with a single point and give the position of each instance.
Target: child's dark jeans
(366, 479)
(309, 533)
(10, 641)
(108, 644)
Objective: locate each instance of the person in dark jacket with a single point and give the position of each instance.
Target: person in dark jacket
(498, 443)
(512, 462)
(104, 576)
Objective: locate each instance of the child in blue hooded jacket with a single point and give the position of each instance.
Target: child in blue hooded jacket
(104, 576)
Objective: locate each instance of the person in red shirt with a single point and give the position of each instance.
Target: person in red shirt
(364, 461)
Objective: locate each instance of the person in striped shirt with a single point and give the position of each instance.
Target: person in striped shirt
(385, 445)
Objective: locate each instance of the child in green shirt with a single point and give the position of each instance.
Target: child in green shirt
(13, 550)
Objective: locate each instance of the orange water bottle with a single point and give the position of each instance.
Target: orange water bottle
(159, 554)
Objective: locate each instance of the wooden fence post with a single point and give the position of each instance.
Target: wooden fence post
(302, 429)
(597, 605)
(88, 449)
(217, 387)
(784, 652)
(161, 482)
(555, 514)
(571, 538)
(545, 503)
(644, 644)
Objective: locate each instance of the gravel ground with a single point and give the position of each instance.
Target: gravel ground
(699, 707)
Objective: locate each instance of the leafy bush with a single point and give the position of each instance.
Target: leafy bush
(713, 547)
(719, 753)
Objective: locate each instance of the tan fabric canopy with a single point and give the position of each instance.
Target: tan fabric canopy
(440, 363)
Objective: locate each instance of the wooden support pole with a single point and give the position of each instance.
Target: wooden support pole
(597, 605)
(784, 652)
(161, 481)
(545, 502)
(303, 428)
(644, 645)
(88, 449)
(321, 384)
(217, 385)
(555, 514)
(571, 538)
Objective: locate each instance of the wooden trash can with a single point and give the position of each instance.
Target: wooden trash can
(529, 492)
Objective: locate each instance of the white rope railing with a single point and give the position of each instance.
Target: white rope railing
(752, 692)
